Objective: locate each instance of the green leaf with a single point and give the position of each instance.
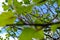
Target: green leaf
(39, 34)
(7, 18)
(5, 7)
(26, 1)
(9, 28)
(9, 2)
(54, 27)
(16, 3)
(38, 28)
(46, 15)
(27, 34)
(6, 0)
(22, 9)
(58, 2)
(38, 21)
(51, 1)
(7, 35)
(39, 2)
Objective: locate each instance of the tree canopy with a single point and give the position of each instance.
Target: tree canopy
(30, 17)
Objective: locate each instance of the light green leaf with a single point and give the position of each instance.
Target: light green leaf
(38, 21)
(27, 34)
(54, 27)
(39, 34)
(7, 18)
(16, 3)
(22, 9)
(10, 2)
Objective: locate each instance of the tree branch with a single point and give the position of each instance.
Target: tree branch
(47, 24)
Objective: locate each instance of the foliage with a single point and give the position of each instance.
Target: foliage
(30, 21)
(5, 16)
